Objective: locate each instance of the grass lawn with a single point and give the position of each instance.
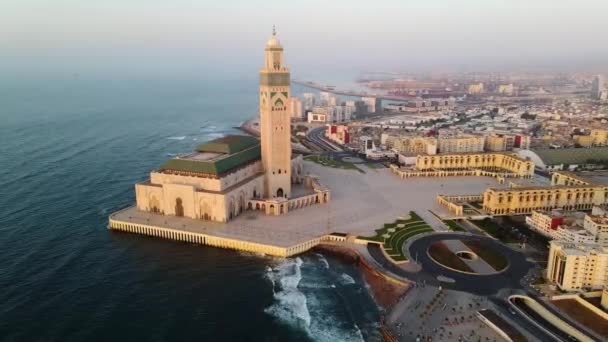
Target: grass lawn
(454, 226)
(493, 258)
(398, 233)
(494, 229)
(337, 164)
(442, 254)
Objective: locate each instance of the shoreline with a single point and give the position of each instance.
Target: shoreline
(385, 292)
(248, 127)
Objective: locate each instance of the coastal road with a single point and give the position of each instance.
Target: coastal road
(317, 137)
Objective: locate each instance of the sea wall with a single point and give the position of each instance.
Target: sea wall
(211, 240)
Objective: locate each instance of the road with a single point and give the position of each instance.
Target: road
(317, 137)
(496, 287)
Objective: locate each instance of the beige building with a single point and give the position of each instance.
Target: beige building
(577, 267)
(506, 89)
(525, 200)
(411, 145)
(597, 137)
(497, 143)
(226, 176)
(476, 88)
(461, 144)
(508, 162)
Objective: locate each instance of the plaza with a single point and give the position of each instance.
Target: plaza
(361, 203)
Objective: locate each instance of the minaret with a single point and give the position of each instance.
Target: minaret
(275, 121)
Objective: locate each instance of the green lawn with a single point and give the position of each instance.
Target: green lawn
(454, 226)
(393, 244)
(337, 164)
(493, 228)
(493, 258)
(443, 255)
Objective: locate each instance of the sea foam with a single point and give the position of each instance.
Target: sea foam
(290, 303)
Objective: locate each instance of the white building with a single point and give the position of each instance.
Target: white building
(597, 225)
(309, 101)
(545, 223)
(574, 234)
(374, 105)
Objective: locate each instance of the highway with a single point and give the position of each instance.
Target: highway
(317, 137)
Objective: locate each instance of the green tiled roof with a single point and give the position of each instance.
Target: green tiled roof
(229, 144)
(572, 155)
(233, 151)
(214, 167)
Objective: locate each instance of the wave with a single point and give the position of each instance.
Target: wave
(177, 138)
(346, 279)
(323, 260)
(290, 303)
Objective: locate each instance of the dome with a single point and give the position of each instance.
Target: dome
(273, 41)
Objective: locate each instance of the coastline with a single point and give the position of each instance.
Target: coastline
(248, 126)
(385, 292)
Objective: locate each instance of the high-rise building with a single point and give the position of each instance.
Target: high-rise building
(576, 267)
(275, 121)
(597, 86)
(309, 101)
(374, 104)
(295, 108)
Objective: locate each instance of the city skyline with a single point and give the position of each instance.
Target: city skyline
(187, 38)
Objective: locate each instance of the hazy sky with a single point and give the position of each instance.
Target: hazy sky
(225, 38)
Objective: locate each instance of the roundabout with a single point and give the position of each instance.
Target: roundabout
(484, 266)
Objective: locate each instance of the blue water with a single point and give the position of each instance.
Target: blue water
(70, 152)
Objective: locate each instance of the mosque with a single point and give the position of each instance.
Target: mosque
(224, 177)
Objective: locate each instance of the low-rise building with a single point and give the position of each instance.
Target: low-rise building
(497, 143)
(545, 222)
(596, 137)
(574, 234)
(475, 88)
(410, 145)
(598, 226)
(338, 134)
(577, 267)
(525, 200)
(460, 144)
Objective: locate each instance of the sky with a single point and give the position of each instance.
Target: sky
(225, 38)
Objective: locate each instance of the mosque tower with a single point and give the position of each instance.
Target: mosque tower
(275, 121)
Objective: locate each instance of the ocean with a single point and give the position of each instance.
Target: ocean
(70, 153)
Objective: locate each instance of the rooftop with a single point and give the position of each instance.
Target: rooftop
(217, 157)
(229, 144)
(572, 155)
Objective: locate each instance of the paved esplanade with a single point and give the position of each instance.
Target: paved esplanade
(360, 203)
